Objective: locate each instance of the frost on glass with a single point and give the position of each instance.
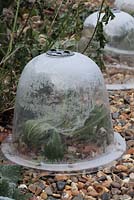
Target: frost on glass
(119, 34)
(62, 111)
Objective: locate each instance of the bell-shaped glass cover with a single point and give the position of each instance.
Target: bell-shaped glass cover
(62, 120)
(119, 31)
(125, 5)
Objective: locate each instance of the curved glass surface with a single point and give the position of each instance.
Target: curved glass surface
(119, 34)
(125, 5)
(62, 113)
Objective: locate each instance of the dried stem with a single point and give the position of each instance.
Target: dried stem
(89, 42)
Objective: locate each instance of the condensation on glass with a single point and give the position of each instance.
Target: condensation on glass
(62, 119)
(119, 34)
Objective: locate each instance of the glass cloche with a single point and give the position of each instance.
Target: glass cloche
(125, 5)
(119, 34)
(62, 120)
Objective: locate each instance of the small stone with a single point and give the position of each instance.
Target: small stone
(105, 196)
(89, 197)
(115, 185)
(67, 187)
(117, 179)
(130, 143)
(80, 185)
(69, 181)
(51, 198)
(93, 193)
(83, 180)
(102, 178)
(61, 177)
(48, 190)
(56, 195)
(22, 186)
(121, 168)
(75, 192)
(131, 176)
(36, 188)
(106, 184)
(100, 174)
(115, 191)
(66, 195)
(107, 170)
(74, 186)
(125, 157)
(131, 151)
(126, 180)
(74, 179)
(54, 186)
(126, 197)
(131, 193)
(43, 195)
(115, 115)
(78, 197)
(61, 185)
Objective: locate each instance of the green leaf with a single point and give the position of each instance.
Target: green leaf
(54, 149)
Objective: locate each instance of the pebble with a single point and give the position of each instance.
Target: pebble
(74, 186)
(115, 115)
(66, 195)
(22, 186)
(131, 176)
(87, 197)
(43, 195)
(115, 191)
(61, 177)
(51, 198)
(35, 189)
(122, 168)
(78, 197)
(56, 195)
(74, 179)
(105, 196)
(60, 185)
(131, 193)
(115, 185)
(80, 185)
(125, 157)
(102, 178)
(48, 190)
(126, 180)
(125, 197)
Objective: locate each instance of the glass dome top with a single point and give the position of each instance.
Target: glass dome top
(62, 120)
(125, 5)
(119, 32)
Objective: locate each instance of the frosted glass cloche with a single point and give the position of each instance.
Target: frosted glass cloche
(125, 5)
(62, 120)
(119, 34)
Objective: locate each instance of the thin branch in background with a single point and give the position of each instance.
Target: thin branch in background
(58, 10)
(12, 35)
(29, 15)
(9, 56)
(14, 27)
(98, 20)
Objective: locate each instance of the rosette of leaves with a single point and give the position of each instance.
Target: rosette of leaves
(98, 118)
(39, 134)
